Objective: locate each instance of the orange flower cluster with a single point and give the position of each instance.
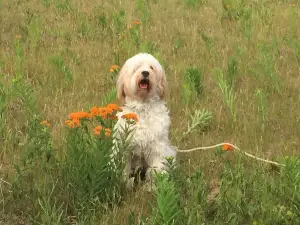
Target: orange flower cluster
(227, 147)
(79, 115)
(114, 68)
(73, 123)
(45, 123)
(135, 22)
(105, 112)
(74, 119)
(98, 129)
(114, 107)
(107, 132)
(130, 116)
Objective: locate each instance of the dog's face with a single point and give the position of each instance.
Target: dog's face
(141, 77)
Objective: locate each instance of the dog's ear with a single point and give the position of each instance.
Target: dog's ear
(120, 84)
(162, 84)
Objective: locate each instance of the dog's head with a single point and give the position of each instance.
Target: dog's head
(141, 78)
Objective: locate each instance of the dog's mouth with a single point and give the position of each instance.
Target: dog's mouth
(144, 84)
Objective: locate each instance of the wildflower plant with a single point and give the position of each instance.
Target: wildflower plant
(114, 70)
(143, 10)
(233, 9)
(88, 164)
(134, 32)
(37, 157)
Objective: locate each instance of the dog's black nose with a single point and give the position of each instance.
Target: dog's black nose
(145, 73)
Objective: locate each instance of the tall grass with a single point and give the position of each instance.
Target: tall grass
(231, 65)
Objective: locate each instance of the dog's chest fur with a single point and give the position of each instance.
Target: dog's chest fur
(153, 125)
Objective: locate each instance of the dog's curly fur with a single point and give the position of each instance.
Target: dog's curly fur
(142, 87)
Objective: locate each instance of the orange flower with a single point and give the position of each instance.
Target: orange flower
(73, 123)
(227, 6)
(114, 68)
(129, 27)
(227, 147)
(97, 130)
(136, 22)
(94, 112)
(79, 115)
(107, 132)
(114, 107)
(104, 112)
(130, 116)
(18, 36)
(45, 123)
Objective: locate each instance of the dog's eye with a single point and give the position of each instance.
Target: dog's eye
(151, 67)
(136, 68)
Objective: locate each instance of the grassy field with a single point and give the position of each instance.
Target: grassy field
(233, 69)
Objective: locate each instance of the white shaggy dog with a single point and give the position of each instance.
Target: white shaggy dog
(141, 86)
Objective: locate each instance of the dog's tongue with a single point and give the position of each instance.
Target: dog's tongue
(143, 86)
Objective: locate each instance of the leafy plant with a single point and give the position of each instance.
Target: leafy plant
(34, 31)
(265, 66)
(143, 10)
(227, 94)
(193, 3)
(61, 67)
(167, 209)
(200, 120)
(209, 42)
(192, 83)
(232, 68)
(50, 213)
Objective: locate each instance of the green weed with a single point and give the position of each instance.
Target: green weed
(34, 31)
(200, 120)
(193, 83)
(193, 3)
(228, 94)
(62, 68)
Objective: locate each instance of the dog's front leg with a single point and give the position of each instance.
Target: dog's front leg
(133, 163)
(127, 174)
(156, 163)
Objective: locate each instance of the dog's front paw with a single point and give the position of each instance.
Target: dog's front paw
(149, 187)
(130, 184)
